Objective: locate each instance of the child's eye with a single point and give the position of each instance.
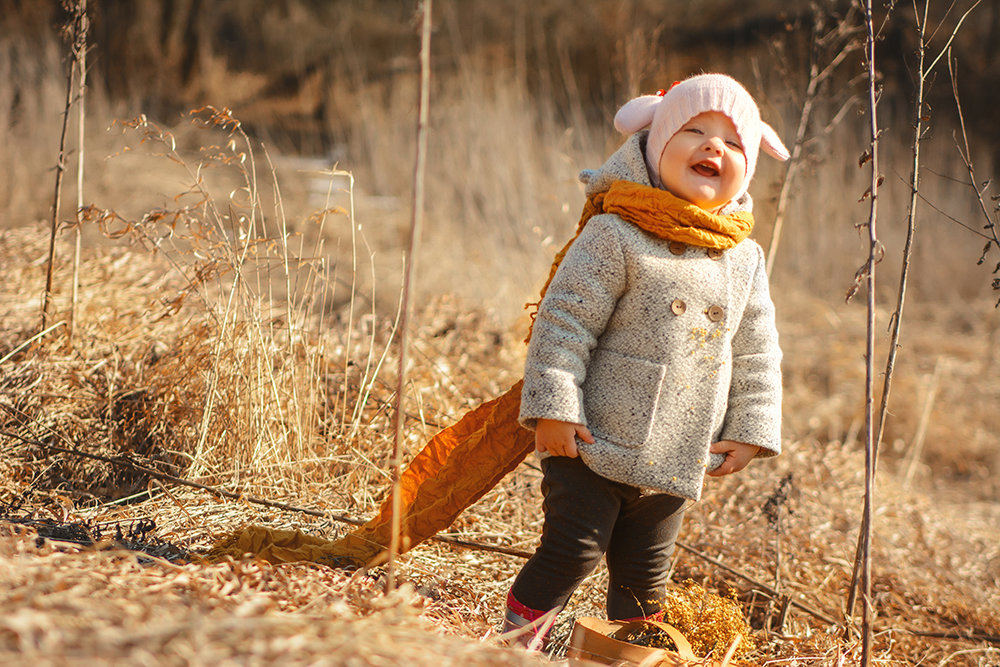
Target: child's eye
(735, 144)
(694, 130)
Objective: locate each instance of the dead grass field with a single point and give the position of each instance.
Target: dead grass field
(236, 328)
(134, 381)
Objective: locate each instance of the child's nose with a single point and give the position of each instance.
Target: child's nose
(715, 145)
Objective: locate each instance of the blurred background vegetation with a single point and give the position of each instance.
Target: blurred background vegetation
(523, 96)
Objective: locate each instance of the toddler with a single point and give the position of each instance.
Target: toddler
(653, 358)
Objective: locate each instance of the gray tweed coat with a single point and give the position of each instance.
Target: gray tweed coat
(659, 348)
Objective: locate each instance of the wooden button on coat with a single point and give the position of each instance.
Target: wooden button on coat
(678, 307)
(715, 253)
(678, 248)
(714, 313)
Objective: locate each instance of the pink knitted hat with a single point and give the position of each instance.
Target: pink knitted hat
(666, 112)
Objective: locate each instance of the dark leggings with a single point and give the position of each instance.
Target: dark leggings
(587, 517)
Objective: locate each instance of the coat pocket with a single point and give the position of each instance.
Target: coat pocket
(620, 394)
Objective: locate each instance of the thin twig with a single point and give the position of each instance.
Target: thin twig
(951, 218)
(754, 582)
(31, 340)
(793, 165)
(409, 278)
(57, 198)
(968, 636)
(897, 318)
(951, 38)
(816, 78)
(242, 497)
(731, 651)
(120, 461)
(923, 74)
(966, 156)
(873, 246)
(547, 621)
(81, 25)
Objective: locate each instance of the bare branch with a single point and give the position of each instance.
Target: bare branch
(865, 538)
(947, 47)
(841, 38)
(60, 172)
(940, 24)
(416, 223)
(81, 27)
(965, 153)
(952, 218)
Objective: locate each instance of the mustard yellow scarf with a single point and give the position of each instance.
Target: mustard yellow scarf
(661, 213)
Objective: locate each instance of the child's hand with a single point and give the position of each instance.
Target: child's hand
(559, 438)
(738, 455)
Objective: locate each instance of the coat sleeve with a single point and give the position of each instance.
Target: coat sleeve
(753, 414)
(572, 315)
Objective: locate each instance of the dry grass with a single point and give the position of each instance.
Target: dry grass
(230, 613)
(233, 335)
(937, 563)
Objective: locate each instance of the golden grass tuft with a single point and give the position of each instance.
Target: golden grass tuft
(709, 621)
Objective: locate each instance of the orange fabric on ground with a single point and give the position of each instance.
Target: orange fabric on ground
(454, 470)
(275, 545)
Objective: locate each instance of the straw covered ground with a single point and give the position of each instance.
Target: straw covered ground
(215, 345)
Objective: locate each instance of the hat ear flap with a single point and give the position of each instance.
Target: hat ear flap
(636, 114)
(771, 144)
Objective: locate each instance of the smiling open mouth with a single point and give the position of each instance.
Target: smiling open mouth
(706, 169)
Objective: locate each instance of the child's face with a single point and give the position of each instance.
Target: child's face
(704, 162)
